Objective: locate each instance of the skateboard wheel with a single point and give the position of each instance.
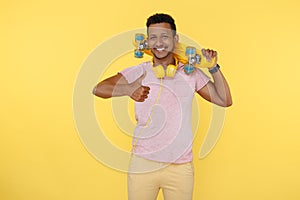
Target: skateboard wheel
(188, 69)
(138, 54)
(139, 37)
(190, 51)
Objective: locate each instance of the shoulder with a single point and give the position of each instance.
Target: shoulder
(138, 67)
(197, 78)
(133, 72)
(197, 73)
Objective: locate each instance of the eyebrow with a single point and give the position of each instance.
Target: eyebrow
(164, 33)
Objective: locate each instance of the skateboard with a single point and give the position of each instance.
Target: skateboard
(190, 56)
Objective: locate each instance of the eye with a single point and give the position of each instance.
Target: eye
(152, 37)
(165, 37)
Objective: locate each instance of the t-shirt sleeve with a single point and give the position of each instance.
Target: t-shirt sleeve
(201, 79)
(132, 73)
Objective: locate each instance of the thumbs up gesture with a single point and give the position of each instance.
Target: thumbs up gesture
(140, 92)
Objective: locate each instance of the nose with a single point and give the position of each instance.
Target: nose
(159, 42)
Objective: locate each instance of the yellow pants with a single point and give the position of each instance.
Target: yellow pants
(146, 178)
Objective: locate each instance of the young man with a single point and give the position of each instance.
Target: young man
(162, 143)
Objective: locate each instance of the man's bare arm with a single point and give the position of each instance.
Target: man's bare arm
(117, 85)
(218, 91)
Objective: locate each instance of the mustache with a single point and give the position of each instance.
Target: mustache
(160, 47)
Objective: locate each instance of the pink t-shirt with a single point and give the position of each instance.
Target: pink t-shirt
(163, 131)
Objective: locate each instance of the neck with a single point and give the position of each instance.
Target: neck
(169, 59)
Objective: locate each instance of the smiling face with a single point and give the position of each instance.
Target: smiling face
(161, 40)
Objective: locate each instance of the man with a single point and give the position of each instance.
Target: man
(162, 143)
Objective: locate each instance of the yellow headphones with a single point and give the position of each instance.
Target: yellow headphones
(159, 70)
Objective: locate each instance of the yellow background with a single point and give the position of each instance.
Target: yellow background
(44, 43)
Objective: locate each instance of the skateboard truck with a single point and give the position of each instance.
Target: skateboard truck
(141, 45)
(192, 59)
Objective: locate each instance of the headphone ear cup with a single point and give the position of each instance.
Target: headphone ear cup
(171, 71)
(159, 71)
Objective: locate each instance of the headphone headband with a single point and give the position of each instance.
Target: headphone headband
(159, 70)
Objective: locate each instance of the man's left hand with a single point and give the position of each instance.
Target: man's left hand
(210, 54)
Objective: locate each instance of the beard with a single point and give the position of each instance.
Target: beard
(159, 57)
(163, 54)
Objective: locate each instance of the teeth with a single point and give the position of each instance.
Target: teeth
(160, 49)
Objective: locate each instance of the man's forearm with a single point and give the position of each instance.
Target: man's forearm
(104, 90)
(222, 87)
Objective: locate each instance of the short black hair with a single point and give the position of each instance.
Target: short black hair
(160, 18)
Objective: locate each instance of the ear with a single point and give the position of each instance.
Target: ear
(176, 38)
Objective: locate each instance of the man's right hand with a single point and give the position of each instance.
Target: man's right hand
(140, 92)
